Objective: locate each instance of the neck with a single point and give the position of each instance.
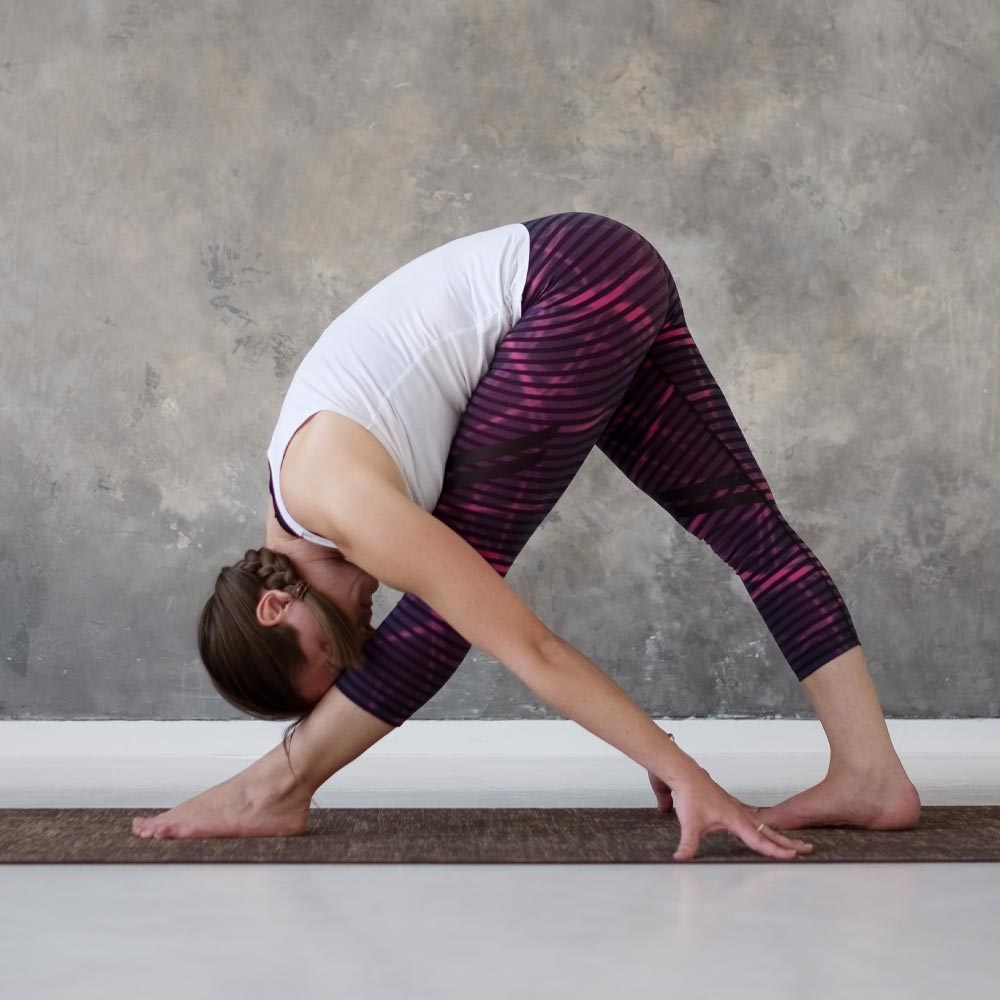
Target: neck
(299, 550)
(276, 538)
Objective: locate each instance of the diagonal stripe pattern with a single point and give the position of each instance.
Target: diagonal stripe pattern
(600, 356)
(676, 438)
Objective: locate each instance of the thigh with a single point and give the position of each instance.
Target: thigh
(594, 299)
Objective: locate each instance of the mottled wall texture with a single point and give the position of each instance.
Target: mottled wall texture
(191, 191)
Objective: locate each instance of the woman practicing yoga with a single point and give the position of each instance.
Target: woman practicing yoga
(423, 439)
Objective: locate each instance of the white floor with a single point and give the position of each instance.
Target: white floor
(439, 932)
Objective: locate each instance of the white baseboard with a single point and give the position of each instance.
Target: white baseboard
(427, 764)
(517, 739)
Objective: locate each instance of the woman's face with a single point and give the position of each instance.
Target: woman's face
(346, 585)
(349, 587)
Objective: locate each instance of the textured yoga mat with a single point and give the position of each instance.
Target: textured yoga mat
(476, 836)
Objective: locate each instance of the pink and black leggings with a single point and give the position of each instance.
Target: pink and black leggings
(602, 356)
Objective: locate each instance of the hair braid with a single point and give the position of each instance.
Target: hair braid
(255, 667)
(274, 569)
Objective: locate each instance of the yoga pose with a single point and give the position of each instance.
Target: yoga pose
(423, 439)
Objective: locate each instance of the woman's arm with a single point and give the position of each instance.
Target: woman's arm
(333, 734)
(383, 532)
(389, 536)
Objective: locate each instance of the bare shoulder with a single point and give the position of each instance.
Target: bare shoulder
(414, 552)
(325, 456)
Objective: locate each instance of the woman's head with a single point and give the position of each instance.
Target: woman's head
(274, 637)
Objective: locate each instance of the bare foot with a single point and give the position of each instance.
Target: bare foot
(885, 802)
(243, 806)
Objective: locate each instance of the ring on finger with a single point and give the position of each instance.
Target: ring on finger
(760, 826)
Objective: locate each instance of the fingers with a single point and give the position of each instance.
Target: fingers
(663, 793)
(688, 847)
(664, 799)
(800, 846)
(761, 839)
(772, 844)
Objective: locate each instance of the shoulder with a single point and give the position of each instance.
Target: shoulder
(414, 552)
(325, 456)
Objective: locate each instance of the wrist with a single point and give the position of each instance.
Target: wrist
(672, 764)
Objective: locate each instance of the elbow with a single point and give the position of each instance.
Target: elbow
(545, 666)
(550, 647)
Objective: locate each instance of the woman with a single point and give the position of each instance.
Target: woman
(423, 439)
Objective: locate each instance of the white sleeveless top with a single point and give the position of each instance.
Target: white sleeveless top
(405, 358)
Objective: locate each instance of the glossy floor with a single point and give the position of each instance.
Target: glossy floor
(441, 932)
(502, 932)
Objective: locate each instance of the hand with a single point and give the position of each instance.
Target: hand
(664, 797)
(703, 806)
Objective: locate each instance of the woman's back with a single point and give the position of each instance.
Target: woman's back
(404, 359)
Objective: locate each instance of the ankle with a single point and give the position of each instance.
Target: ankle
(270, 779)
(868, 770)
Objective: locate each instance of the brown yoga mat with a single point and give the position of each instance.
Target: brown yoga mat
(476, 836)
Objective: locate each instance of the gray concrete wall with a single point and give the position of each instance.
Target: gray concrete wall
(189, 192)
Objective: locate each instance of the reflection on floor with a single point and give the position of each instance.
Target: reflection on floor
(441, 932)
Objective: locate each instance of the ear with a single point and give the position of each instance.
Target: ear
(271, 607)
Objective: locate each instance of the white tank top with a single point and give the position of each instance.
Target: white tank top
(405, 358)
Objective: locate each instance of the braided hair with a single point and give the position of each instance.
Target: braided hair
(254, 667)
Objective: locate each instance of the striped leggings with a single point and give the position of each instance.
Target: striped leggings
(602, 356)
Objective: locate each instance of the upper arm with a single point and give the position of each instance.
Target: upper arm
(389, 536)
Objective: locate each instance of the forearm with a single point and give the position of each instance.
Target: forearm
(565, 679)
(338, 731)
(334, 733)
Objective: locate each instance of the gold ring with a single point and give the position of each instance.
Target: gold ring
(761, 827)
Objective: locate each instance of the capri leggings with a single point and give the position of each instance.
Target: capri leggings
(601, 356)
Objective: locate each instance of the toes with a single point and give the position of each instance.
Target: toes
(148, 828)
